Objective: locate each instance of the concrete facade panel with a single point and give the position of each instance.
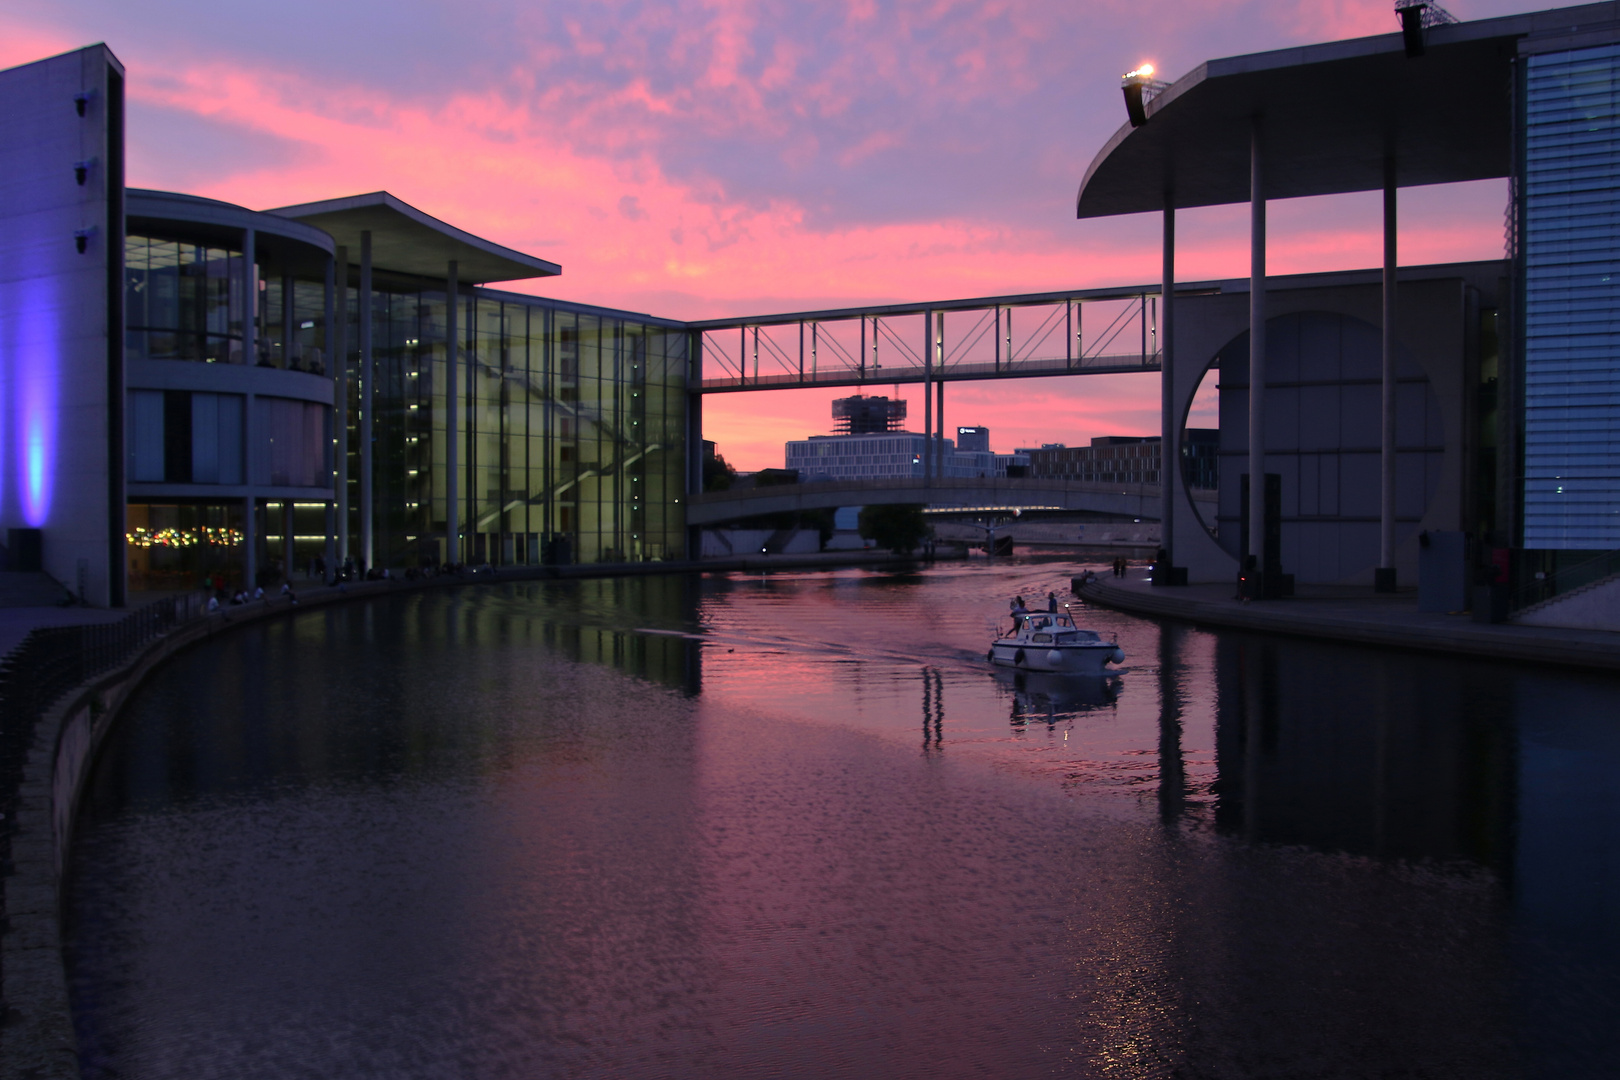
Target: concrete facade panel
(55, 350)
(1332, 429)
(1319, 417)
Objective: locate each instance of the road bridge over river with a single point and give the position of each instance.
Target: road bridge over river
(1120, 501)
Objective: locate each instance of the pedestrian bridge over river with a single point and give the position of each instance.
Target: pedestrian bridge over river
(1124, 501)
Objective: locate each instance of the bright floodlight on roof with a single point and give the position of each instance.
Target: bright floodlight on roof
(1140, 88)
(1417, 16)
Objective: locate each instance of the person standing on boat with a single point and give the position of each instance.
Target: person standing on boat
(1018, 609)
(1051, 602)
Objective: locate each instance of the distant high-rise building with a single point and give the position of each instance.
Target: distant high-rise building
(867, 415)
(973, 438)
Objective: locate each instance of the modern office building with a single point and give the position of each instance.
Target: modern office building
(1566, 218)
(973, 438)
(193, 387)
(1478, 398)
(869, 444)
(1127, 459)
(894, 455)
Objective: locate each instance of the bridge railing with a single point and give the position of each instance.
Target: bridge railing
(1111, 364)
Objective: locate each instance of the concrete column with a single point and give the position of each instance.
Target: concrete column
(1257, 352)
(694, 436)
(939, 417)
(452, 413)
(250, 545)
(928, 398)
(287, 539)
(1169, 425)
(340, 402)
(334, 431)
(289, 328)
(366, 398)
(250, 299)
(252, 449)
(1384, 576)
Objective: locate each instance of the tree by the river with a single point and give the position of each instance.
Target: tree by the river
(900, 527)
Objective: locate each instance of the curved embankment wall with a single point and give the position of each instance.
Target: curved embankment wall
(1396, 628)
(36, 1032)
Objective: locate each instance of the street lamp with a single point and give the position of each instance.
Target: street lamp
(1140, 87)
(1417, 16)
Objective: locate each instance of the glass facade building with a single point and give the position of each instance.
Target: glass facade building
(244, 432)
(1570, 246)
(570, 434)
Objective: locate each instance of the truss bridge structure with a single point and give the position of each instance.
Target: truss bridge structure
(1083, 332)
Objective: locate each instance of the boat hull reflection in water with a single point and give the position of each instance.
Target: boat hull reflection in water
(728, 826)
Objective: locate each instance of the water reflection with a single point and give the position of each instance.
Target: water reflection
(1363, 751)
(1172, 770)
(933, 709)
(671, 826)
(1039, 697)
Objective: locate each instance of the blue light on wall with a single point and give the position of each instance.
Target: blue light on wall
(34, 383)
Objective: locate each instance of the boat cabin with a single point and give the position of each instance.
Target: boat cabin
(1044, 627)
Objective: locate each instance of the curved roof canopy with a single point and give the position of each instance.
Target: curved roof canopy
(404, 240)
(282, 246)
(1330, 115)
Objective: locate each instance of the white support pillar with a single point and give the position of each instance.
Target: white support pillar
(289, 325)
(1257, 352)
(340, 404)
(334, 430)
(367, 396)
(928, 398)
(1169, 425)
(939, 366)
(1068, 333)
(1384, 576)
(452, 416)
(251, 440)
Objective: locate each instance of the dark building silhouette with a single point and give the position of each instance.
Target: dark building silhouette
(867, 415)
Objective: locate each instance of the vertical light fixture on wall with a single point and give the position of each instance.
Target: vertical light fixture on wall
(35, 388)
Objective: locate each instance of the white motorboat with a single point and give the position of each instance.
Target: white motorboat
(1049, 641)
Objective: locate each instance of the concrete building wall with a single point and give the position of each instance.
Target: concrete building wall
(1435, 337)
(61, 332)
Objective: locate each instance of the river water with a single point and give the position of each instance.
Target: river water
(793, 826)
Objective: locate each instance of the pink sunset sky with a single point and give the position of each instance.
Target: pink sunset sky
(709, 158)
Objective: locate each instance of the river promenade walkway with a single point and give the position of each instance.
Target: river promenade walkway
(1361, 616)
(17, 621)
